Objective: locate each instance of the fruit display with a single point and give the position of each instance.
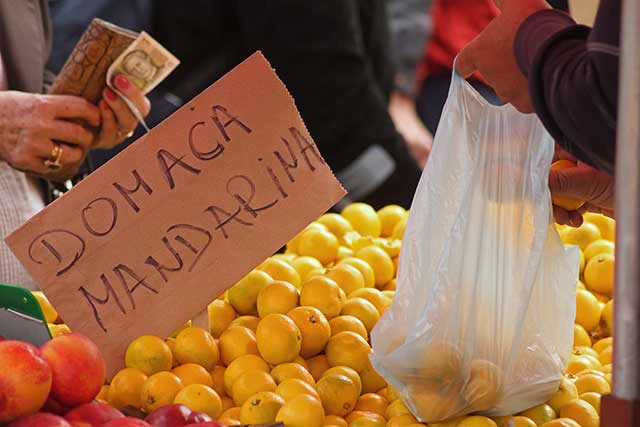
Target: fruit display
(290, 343)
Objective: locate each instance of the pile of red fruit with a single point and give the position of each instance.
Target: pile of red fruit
(61, 380)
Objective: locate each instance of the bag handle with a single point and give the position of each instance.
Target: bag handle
(460, 86)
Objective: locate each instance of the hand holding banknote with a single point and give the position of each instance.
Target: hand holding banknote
(118, 121)
(145, 63)
(114, 68)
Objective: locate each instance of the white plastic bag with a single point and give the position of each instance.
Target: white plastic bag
(482, 318)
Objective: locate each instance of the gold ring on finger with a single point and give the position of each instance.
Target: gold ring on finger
(54, 161)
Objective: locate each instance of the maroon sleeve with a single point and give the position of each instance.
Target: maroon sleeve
(573, 79)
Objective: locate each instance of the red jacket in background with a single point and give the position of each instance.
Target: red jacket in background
(455, 23)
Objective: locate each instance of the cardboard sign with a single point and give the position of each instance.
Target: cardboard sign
(149, 239)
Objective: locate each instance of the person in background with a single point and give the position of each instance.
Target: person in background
(37, 139)
(333, 57)
(424, 49)
(541, 61)
(410, 24)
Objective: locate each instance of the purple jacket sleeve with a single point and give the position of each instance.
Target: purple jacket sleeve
(573, 79)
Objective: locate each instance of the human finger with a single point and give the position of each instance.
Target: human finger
(133, 94)
(68, 132)
(69, 107)
(560, 215)
(124, 117)
(109, 128)
(464, 62)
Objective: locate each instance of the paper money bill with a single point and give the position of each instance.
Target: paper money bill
(145, 63)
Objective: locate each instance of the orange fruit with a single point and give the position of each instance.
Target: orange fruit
(390, 216)
(567, 393)
(236, 342)
(277, 297)
(246, 363)
(217, 380)
(380, 262)
(221, 314)
(243, 296)
(289, 370)
(293, 387)
(319, 244)
(337, 224)
(580, 336)
(314, 328)
(190, 373)
(581, 236)
(371, 402)
(561, 422)
(371, 380)
(606, 225)
(599, 247)
(540, 414)
(363, 218)
(581, 412)
(363, 310)
(279, 339)
(348, 323)
(301, 411)
(317, 366)
(322, 293)
(347, 372)
(250, 322)
(606, 319)
(126, 388)
(149, 354)
(402, 420)
(588, 310)
(374, 296)
(592, 383)
(347, 277)
(334, 420)
(261, 408)
(599, 273)
(348, 349)
(195, 345)
(200, 398)
(250, 383)
(304, 265)
(280, 270)
(159, 390)
(365, 269)
(338, 394)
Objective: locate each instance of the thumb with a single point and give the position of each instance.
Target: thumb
(569, 182)
(464, 62)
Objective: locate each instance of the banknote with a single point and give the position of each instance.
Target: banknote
(145, 63)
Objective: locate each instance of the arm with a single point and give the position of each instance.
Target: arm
(410, 26)
(573, 79)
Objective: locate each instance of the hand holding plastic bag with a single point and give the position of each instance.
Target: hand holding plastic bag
(482, 319)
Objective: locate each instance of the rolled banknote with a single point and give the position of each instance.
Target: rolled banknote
(145, 63)
(85, 71)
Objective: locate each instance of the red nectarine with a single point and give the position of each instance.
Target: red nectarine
(78, 368)
(25, 380)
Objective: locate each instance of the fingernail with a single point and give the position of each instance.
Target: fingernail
(109, 94)
(122, 82)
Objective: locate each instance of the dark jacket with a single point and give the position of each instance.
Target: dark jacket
(573, 78)
(332, 55)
